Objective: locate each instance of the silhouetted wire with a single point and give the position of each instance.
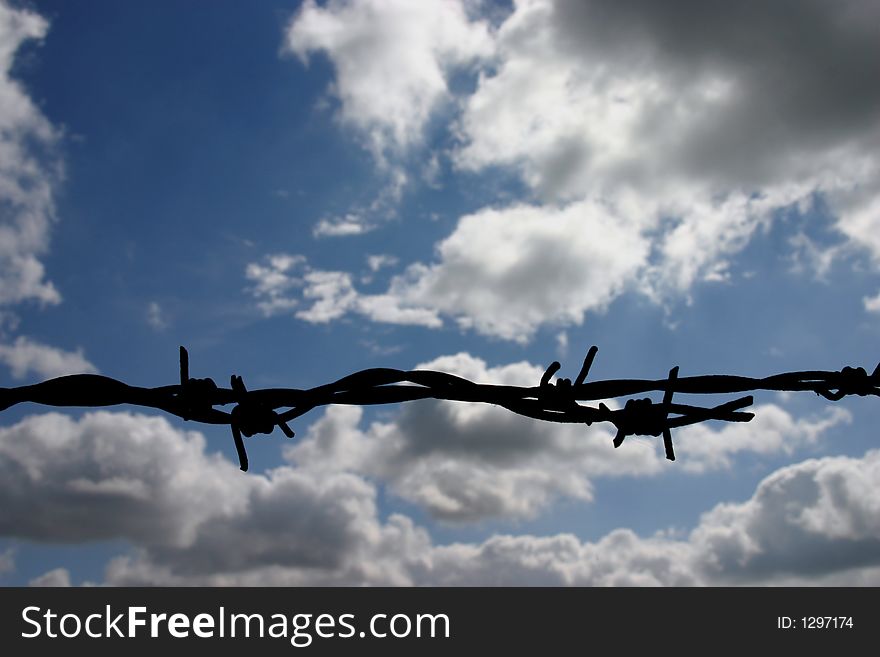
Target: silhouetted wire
(257, 411)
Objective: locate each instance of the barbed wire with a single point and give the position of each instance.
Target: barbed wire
(257, 411)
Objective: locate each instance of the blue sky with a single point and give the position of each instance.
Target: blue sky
(296, 192)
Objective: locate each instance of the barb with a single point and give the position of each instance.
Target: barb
(257, 411)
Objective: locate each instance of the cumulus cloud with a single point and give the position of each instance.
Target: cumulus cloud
(29, 170)
(468, 462)
(813, 522)
(193, 518)
(808, 519)
(392, 60)
(656, 140)
(506, 272)
(740, 96)
(285, 282)
(333, 295)
(53, 578)
(24, 356)
(192, 515)
(772, 431)
(712, 119)
(809, 523)
(501, 272)
(109, 475)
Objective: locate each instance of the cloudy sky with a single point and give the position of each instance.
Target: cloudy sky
(299, 191)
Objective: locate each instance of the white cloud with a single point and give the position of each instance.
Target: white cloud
(810, 523)
(707, 233)
(624, 99)
(55, 578)
(377, 262)
(156, 316)
(331, 293)
(391, 59)
(619, 559)
(859, 210)
(562, 344)
(872, 304)
(501, 272)
(350, 224)
(598, 94)
(364, 218)
(110, 475)
(273, 282)
(193, 518)
(688, 133)
(29, 170)
(506, 272)
(772, 431)
(25, 356)
(811, 258)
(805, 520)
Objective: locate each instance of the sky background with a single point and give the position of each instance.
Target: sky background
(298, 191)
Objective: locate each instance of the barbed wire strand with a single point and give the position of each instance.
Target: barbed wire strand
(257, 411)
